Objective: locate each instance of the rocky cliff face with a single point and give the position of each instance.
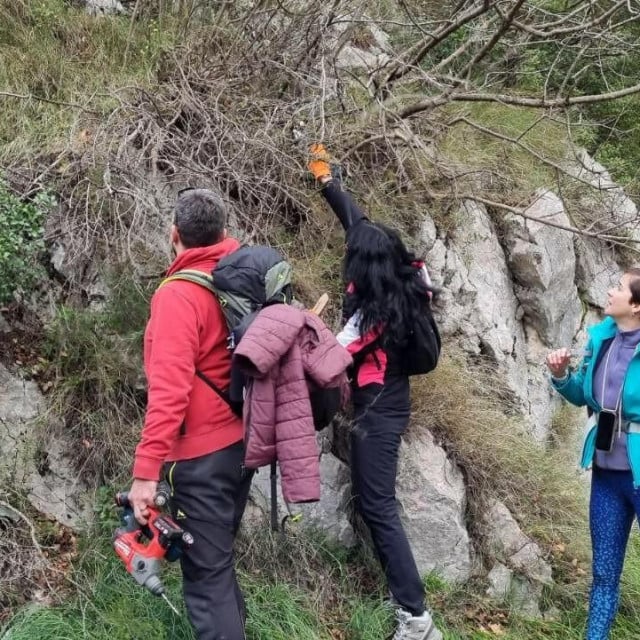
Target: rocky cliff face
(512, 287)
(511, 290)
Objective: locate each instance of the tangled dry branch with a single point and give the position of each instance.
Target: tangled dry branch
(234, 103)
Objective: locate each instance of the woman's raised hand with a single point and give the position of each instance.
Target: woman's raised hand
(558, 361)
(319, 162)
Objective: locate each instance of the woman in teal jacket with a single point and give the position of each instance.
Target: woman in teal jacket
(607, 380)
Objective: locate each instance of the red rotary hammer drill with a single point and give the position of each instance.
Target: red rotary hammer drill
(143, 547)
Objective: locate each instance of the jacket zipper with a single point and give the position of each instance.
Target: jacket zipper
(621, 402)
(170, 477)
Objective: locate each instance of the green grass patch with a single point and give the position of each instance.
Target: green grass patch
(297, 585)
(510, 163)
(69, 63)
(321, 593)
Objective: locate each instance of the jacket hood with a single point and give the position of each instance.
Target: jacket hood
(276, 329)
(282, 324)
(190, 258)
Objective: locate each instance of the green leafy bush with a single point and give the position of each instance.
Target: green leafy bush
(21, 241)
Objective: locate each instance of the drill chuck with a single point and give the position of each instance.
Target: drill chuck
(154, 585)
(161, 498)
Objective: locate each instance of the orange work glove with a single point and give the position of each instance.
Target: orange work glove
(319, 162)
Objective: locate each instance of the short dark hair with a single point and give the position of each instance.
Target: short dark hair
(634, 284)
(200, 217)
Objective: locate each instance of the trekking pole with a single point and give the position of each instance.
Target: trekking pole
(274, 497)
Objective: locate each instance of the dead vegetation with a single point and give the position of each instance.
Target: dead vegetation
(476, 420)
(237, 91)
(35, 558)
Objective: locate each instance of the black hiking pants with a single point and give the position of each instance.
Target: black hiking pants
(208, 500)
(381, 417)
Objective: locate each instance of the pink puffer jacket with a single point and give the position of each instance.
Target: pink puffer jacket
(282, 349)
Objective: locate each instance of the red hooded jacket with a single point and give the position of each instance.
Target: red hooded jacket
(186, 331)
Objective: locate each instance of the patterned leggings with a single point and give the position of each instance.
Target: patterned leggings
(614, 502)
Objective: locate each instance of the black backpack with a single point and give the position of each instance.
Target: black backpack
(421, 353)
(423, 350)
(245, 281)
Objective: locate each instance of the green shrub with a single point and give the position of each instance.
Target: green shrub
(21, 241)
(95, 375)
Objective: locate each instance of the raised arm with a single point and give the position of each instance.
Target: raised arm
(340, 201)
(343, 204)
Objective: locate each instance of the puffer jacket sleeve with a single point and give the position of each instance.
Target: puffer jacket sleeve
(325, 360)
(296, 444)
(259, 417)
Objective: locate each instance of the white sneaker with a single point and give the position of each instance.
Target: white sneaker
(415, 627)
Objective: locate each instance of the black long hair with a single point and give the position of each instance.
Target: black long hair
(384, 283)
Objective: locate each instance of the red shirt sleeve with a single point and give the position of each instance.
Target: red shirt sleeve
(170, 355)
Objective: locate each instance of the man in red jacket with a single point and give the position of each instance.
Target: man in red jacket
(190, 434)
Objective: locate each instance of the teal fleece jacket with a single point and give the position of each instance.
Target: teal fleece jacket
(577, 388)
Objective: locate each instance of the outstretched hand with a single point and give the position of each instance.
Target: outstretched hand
(558, 361)
(318, 163)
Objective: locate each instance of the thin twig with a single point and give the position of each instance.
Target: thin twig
(32, 529)
(60, 103)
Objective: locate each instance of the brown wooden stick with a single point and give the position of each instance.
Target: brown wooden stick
(321, 303)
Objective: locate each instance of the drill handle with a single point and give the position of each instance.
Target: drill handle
(163, 493)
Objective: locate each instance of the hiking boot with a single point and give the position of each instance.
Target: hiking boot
(415, 627)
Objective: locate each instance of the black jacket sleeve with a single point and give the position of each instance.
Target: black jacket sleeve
(343, 205)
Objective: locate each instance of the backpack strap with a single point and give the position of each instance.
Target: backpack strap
(192, 275)
(204, 280)
(223, 394)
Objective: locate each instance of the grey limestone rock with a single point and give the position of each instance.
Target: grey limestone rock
(432, 500)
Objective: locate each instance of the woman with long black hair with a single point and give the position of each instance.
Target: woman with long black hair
(388, 291)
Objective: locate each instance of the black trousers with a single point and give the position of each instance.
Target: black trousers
(381, 416)
(208, 500)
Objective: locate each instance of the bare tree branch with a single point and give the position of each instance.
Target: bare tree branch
(579, 28)
(416, 53)
(517, 141)
(519, 211)
(506, 23)
(59, 103)
(521, 101)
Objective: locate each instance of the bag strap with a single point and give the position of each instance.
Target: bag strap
(204, 280)
(223, 394)
(192, 275)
